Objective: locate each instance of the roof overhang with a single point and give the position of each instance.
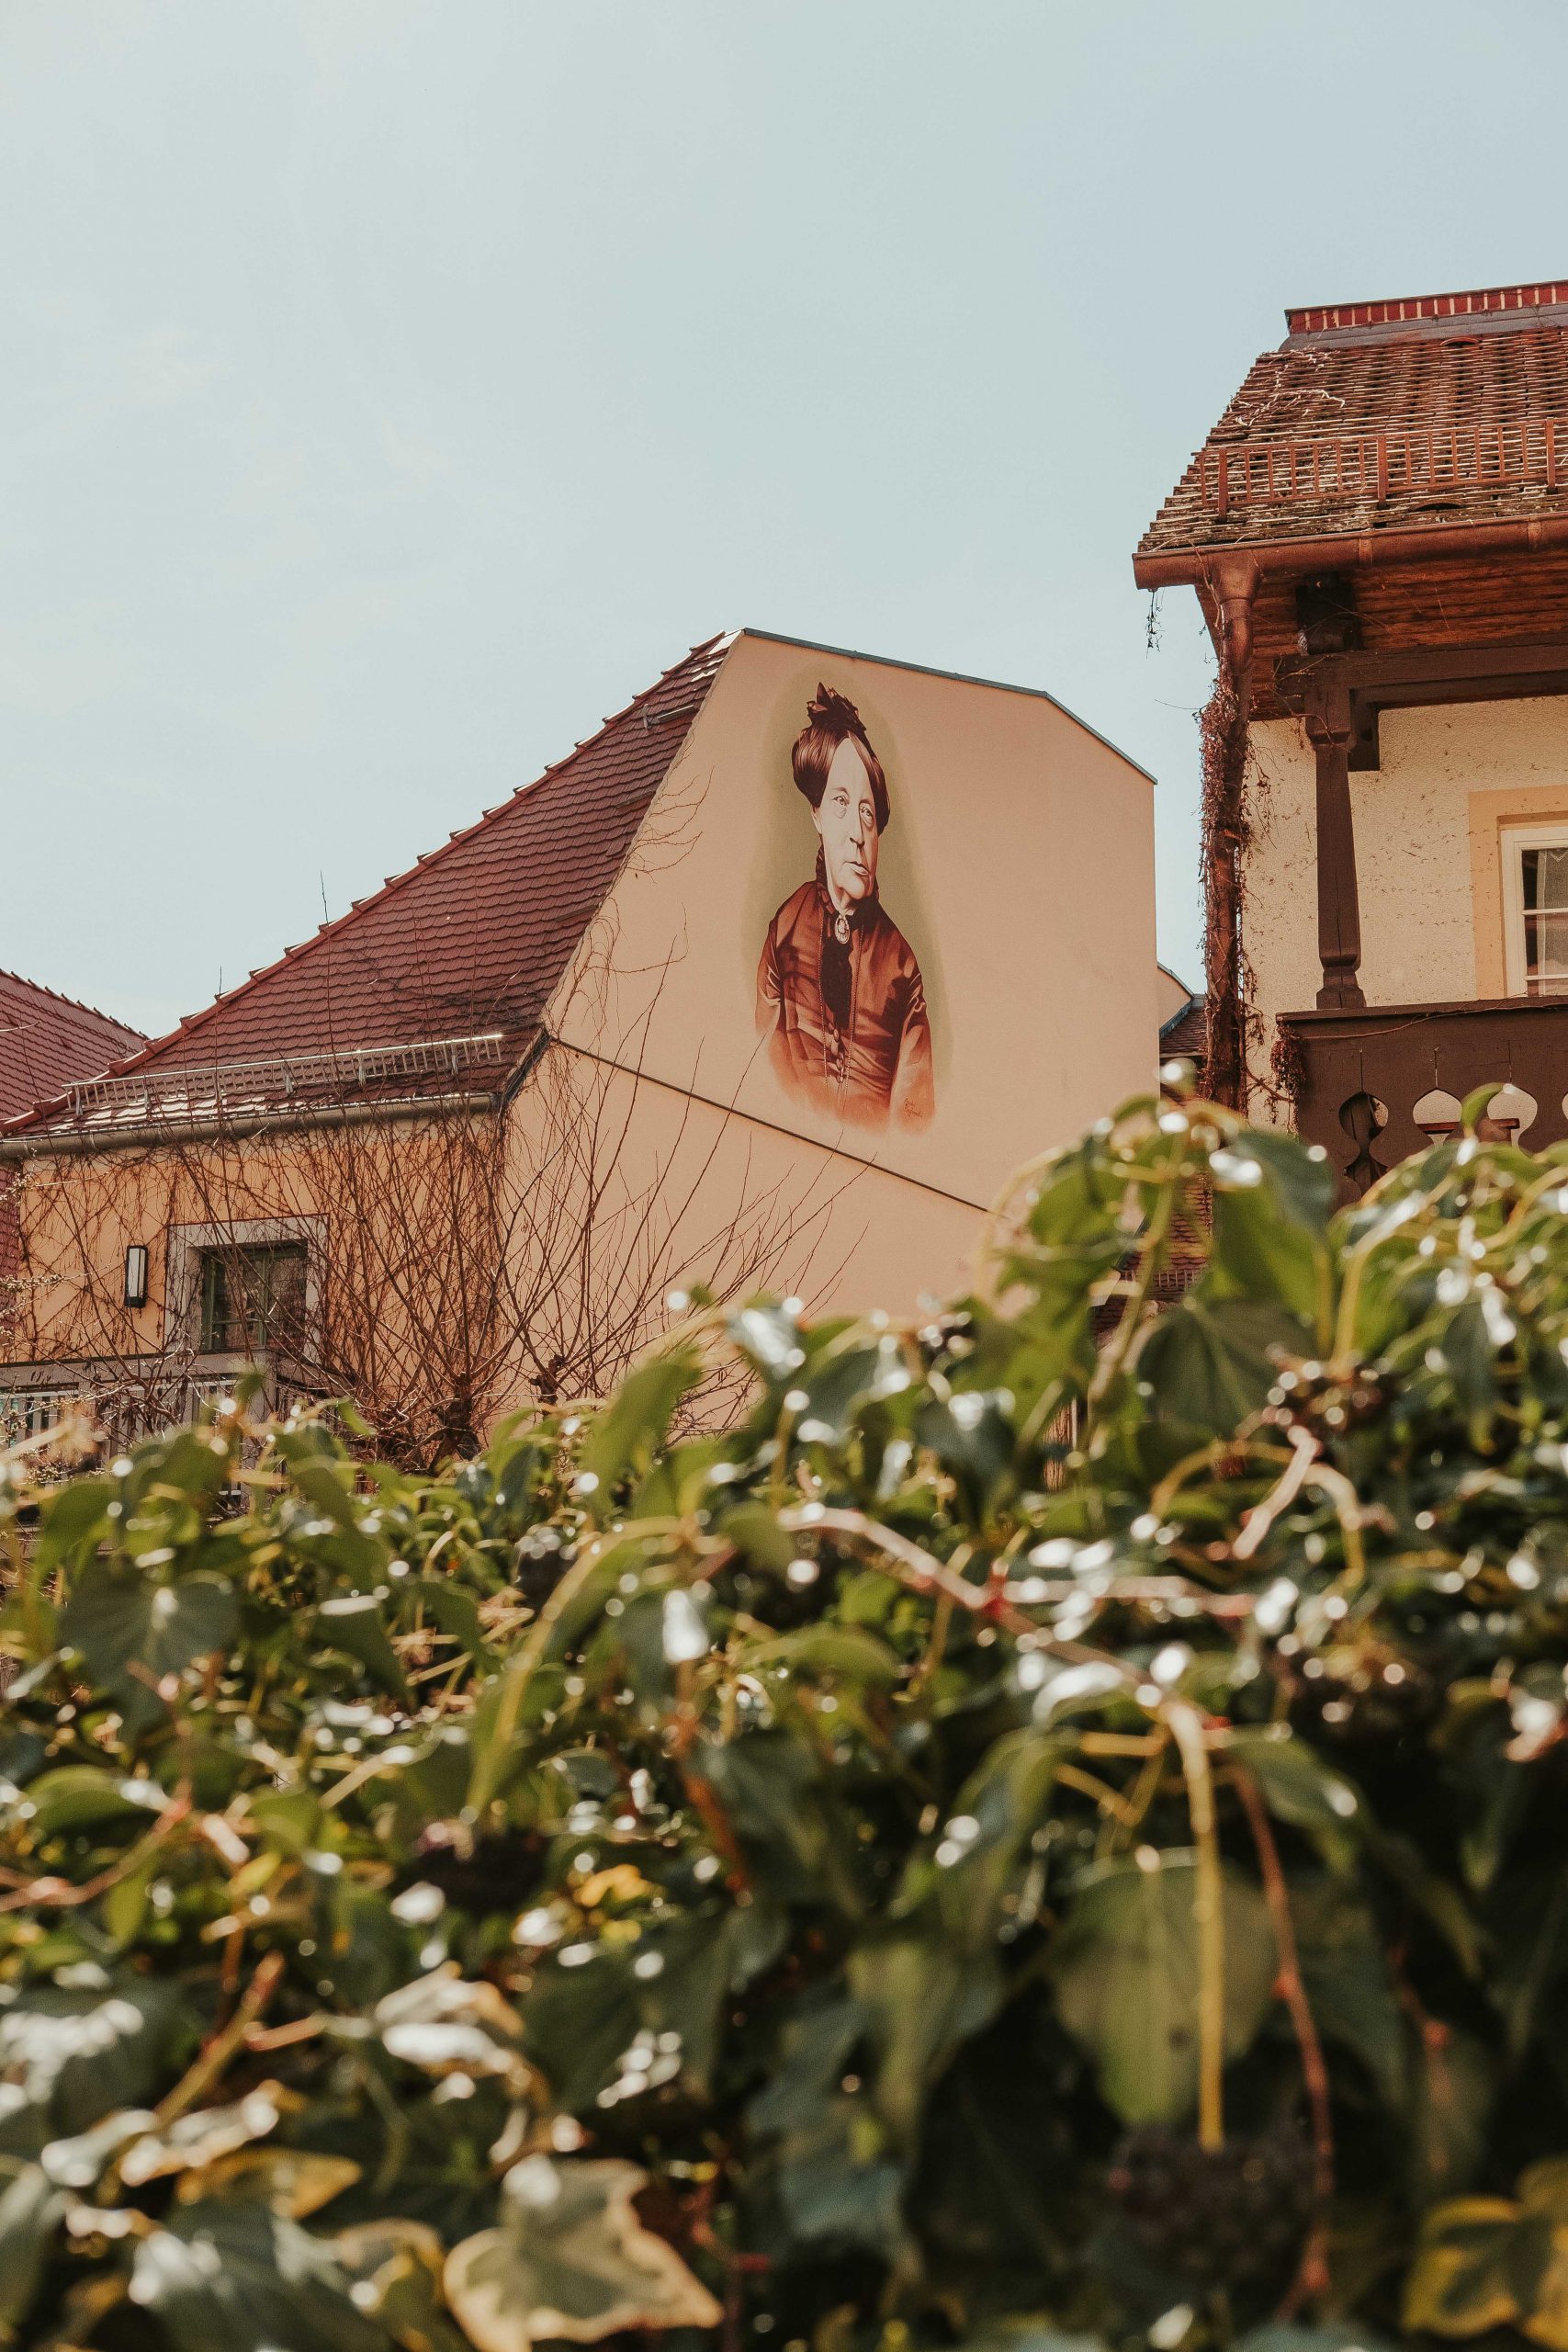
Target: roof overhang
(1212, 567)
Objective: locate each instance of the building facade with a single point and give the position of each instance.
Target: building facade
(768, 986)
(1377, 528)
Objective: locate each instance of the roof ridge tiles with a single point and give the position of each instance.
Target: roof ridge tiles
(77, 1003)
(1401, 310)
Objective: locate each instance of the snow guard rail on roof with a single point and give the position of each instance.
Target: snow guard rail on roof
(186, 1090)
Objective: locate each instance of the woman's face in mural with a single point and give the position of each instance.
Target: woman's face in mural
(846, 822)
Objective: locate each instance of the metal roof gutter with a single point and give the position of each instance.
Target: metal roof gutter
(43, 1144)
(1201, 567)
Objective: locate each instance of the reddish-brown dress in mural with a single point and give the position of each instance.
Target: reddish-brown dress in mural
(840, 996)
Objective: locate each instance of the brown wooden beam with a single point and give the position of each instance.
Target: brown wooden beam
(1416, 677)
(1442, 668)
(1224, 793)
(1331, 731)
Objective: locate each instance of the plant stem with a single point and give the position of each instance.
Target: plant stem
(1151, 1257)
(1311, 2277)
(206, 2068)
(1208, 1911)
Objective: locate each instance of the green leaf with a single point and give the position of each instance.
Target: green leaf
(815, 2045)
(922, 1999)
(1300, 1788)
(76, 2051)
(984, 1842)
(454, 1610)
(1487, 2262)
(648, 2011)
(1126, 1975)
(1271, 1202)
(1349, 1985)
(1470, 1352)
(773, 1791)
(770, 1339)
(356, 1623)
(1281, 2337)
(833, 1386)
(396, 2268)
(84, 1796)
(571, 2258)
(838, 2184)
(1460, 2283)
(121, 1618)
(842, 1652)
(72, 1516)
(1209, 1362)
(629, 1431)
(972, 1436)
(31, 2210)
(238, 2278)
(755, 1530)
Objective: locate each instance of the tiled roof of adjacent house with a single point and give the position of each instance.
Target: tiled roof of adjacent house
(1184, 1037)
(1432, 411)
(46, 1041)
(438, 980)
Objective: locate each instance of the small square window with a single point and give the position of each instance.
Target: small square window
(252, 1297)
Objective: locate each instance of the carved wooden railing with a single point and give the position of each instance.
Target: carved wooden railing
(1377, 1082)
(1382, 461)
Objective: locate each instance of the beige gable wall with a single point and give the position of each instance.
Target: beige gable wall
(1019, 864)
(1425, 850)
(687, 1194)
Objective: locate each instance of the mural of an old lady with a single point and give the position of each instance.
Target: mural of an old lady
(840, 996)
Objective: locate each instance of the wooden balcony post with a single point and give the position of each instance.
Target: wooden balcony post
(1330, 732)
(1224, 783)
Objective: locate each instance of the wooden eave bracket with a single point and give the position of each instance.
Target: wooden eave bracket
(1408, 680)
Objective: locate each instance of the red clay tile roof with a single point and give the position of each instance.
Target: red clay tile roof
(46, 1041)
(1437, 410)
(465, 948)
(1184, 1037)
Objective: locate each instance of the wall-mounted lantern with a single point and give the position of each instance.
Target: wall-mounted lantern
(136, 1274)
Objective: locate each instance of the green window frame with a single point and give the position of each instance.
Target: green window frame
(252, 1297)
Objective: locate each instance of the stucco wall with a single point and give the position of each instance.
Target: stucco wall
(678, 1191)
(1431, 905)
(1019, 863)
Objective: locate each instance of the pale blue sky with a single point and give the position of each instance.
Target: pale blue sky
(388, 389)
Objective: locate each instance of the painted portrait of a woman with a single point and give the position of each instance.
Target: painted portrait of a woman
(840, 996)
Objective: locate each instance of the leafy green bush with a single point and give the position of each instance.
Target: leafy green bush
(911, 1869)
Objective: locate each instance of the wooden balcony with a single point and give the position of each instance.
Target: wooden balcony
(1374, 1083)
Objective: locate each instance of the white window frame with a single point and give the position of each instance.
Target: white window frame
(1514, 840)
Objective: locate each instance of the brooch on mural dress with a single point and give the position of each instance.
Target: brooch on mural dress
(842, 929)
